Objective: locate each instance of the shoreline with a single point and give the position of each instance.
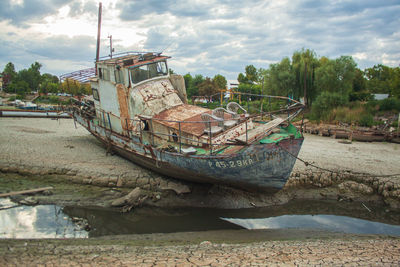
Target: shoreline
(54, 148)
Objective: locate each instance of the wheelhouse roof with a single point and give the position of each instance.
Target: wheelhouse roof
(133, 60)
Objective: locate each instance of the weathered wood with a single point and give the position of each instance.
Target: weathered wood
(129, 199)
(260, 130)
(30, 191)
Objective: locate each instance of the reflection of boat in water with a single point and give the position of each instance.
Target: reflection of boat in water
(140, 111)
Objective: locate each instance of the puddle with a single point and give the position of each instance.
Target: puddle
(42, 221)
(334, 223)
(49, 221)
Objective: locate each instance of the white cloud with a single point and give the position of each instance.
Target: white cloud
(204, 37)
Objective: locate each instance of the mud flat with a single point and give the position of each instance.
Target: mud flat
(157, 251)
(54, 150)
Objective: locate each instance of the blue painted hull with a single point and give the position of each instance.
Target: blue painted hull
(264, 167)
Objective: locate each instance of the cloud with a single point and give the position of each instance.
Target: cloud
(24, 48)
(208, 36)
(25, 11)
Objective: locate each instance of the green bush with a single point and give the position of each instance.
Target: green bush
(390, 104)
(324, 103)
(360, 96)
(366, 120)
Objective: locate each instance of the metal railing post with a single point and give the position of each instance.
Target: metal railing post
(151, 132)
(140, 131)
(210, 136)
(104, 118)
(109, 121)
(126, 123)
(246, 132)
(180, 138)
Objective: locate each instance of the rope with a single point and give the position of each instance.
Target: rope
(332, 171)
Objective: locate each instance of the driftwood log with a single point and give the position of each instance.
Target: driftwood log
(129, 199)
(30, 191)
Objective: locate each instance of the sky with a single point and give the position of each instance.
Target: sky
(205, 37)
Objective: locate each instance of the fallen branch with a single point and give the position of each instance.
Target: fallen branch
(30, 191)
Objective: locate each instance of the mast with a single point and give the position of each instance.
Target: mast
(98, 35)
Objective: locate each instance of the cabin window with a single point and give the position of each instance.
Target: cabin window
(119, 76)
(104, 74)
(149, 71)
(96, 94)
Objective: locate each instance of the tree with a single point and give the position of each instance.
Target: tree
(196, 81)
(208, 87)
(188, 80)
(304, 63)
(220, 81)
(281, 79)
(49, 84)
(359, 82)
(9, 74)
(359, 92)
(242, 78)
(251, 73)
(380, 78)
(336, 76)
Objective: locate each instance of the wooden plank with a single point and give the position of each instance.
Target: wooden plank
(30, 191)
(260, 130)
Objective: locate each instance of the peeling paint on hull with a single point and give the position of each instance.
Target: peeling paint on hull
(263, 167)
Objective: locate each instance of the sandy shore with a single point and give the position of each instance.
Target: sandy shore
(56, 147)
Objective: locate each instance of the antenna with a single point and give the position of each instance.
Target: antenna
(111, 48)
(168, 46)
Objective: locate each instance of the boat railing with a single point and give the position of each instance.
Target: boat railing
(128, 53)
(144, 126)
(266, 103)
(138, 128)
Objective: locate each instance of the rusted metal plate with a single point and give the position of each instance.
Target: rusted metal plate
(153, 97)
(188, 114)
(123, 93)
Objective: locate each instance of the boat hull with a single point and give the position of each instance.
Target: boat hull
(262, 167)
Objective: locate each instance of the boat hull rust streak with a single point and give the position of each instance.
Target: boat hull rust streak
(262, 167)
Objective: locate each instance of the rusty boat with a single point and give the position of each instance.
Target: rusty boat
(140, 111)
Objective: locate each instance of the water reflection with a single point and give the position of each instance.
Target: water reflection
(44, 221)
(49, 221)
(324, 222)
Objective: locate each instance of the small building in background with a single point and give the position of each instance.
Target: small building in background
(380, 96)
(233, 84)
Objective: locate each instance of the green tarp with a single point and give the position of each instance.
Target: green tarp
(284, 133)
